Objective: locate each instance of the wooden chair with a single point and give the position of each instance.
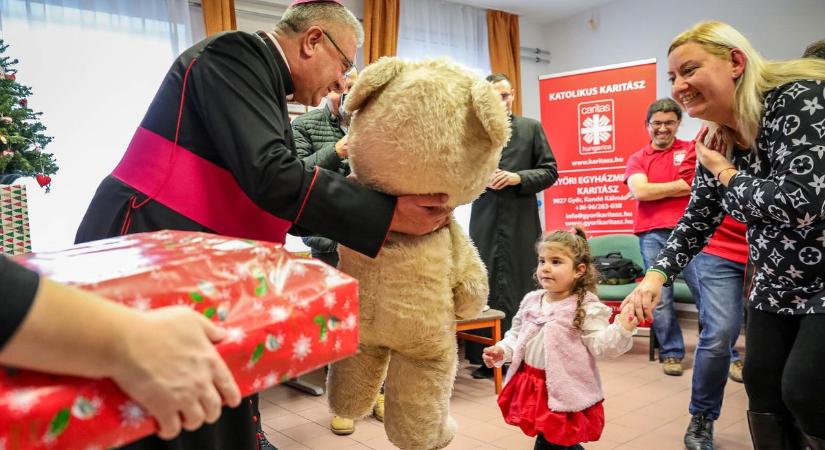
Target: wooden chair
(488, 319)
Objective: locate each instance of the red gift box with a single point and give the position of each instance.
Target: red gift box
(285, 316)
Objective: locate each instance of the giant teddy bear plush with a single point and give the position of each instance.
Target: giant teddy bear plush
(418, 128)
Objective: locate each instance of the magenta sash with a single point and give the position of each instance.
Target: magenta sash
(195, 188)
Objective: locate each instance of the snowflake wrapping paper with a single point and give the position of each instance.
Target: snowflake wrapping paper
(285, 316)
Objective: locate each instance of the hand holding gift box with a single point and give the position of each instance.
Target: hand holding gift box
(284, 317)
(164, 359)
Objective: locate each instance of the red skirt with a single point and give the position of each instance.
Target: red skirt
(523, 402)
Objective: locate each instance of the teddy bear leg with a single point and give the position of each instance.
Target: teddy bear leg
(417, 395)
(353, 383)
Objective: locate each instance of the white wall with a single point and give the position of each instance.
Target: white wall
(532, 35)
(629, 30)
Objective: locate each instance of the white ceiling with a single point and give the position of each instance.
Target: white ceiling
(537, 11)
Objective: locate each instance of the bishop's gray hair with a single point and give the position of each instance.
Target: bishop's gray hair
(299, 18)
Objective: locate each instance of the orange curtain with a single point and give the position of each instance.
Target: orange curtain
(505, 49)
(380, 29)
(218, 15)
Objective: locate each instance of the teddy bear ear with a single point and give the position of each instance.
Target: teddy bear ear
(491, 112)
(374, 77)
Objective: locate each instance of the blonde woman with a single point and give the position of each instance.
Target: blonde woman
(762, 161)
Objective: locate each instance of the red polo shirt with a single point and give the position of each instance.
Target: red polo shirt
(661, 166)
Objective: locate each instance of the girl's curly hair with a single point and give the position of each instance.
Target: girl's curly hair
(574, 242)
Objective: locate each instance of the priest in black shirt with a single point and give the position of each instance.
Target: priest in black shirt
(504, 222)
(215, 153)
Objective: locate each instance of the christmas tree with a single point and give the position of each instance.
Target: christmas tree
(21, 134)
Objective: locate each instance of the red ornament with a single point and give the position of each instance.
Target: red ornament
(24, 102)
(8, 152)
(11, 77)
(43, 180)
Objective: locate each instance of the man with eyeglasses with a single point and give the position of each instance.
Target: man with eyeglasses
(215, 153)
(504, 221)
(660, 176)
(660, 182)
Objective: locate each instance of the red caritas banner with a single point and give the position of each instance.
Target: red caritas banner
(594, 121)
(284, 315)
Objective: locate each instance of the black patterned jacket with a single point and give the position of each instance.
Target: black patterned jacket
(779, 193)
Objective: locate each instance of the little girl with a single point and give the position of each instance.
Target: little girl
(553, 388)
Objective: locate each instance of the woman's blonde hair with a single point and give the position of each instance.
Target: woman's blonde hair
(759, 76)
(574, 242)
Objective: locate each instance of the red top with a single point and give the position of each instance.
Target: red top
(729, 241)
(661, 166)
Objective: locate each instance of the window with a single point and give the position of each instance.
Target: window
(94, 67)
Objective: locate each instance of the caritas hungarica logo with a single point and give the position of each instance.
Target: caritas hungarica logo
(596, 133)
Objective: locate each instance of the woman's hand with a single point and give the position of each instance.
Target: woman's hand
(713, 158)
(163, 359)
(168, 364)
(492, 355)
(644, 298)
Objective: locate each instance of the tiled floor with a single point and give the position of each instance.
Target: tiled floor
(645, 409)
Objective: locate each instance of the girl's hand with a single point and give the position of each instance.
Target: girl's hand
(492, 355)
(627, 320)
(645, 297)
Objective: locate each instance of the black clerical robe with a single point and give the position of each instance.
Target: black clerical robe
(229, 126)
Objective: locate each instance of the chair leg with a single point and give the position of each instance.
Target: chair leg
(653, 344)
(497, 370)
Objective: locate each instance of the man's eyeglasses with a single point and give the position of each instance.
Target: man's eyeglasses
(350, 65)
(667, 123)
(506, 95)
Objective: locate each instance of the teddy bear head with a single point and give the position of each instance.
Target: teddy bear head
(425, 127)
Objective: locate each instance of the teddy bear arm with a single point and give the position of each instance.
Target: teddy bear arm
(471, 288)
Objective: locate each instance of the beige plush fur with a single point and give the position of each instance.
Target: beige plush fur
(423, 127)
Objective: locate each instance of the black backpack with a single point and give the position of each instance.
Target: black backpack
(616, 269)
